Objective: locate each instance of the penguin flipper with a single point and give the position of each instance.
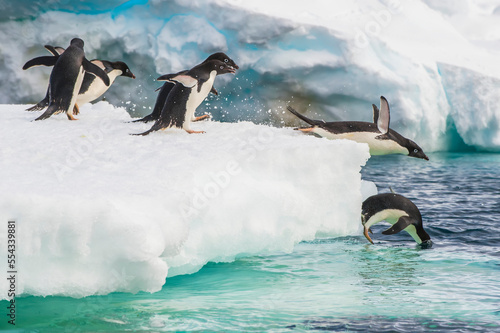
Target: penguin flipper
(100, 64)
(383, 117)
(41, 61)
(376, 112)
(403, 222)
(94, 69)
(168, 77)
(55, 50)
(304, 118)
(186, 80)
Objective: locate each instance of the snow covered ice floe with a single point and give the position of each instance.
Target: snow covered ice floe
(99, 210)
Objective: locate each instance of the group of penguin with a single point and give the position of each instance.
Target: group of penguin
(74, 81)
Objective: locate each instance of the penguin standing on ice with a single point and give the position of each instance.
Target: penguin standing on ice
(399, 211)
(380, 138)
(92, 86)
(167, 87)
(66, 78)
(190, 89)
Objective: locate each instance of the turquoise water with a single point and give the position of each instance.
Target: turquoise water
(338, 284)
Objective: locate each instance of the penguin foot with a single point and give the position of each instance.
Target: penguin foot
(193, 132)
(305, 130)
(205, 116)
(76, 110)
(70, 116)
(365, 233)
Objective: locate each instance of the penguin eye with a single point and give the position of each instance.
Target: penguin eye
(415, 150)
(221, 67)
(226, 60)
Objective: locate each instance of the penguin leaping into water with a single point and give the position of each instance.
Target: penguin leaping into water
(399, 211)
(380, 138)
(66, 77)
(190, 89)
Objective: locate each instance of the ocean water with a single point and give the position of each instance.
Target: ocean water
(336, 284)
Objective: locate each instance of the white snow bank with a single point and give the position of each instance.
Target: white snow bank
(98, 210)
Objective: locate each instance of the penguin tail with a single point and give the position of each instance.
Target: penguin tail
(144, 120)
(302, 117)
(36, 107)
(156, 127)
(49, 112)
(40, 105)
(143, 133)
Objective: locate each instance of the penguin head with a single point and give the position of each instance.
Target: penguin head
(120, 65)
(77, 42)
(414, 150)
(221, 67)
(224, 58)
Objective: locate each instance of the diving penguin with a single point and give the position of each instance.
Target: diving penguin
(190, 89)
(399, 211)
(380, 138)
(92, 87)
(66, 77)
(167, 87)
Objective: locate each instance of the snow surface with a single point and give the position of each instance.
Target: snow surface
(334, 58)
(99, 210)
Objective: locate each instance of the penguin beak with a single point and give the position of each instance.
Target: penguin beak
(232, 69)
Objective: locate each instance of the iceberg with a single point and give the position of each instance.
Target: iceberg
(334, 58)
(98, 210)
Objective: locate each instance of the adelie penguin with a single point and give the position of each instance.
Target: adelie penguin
(66, 77)
(380, 138)
(167, 87)
(190, 89)
(399, 211)
(92, 86)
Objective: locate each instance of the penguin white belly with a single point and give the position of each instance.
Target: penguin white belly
(96, 88)
(377, 146)
(195, 98)
(388, 215)
(76, 89)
